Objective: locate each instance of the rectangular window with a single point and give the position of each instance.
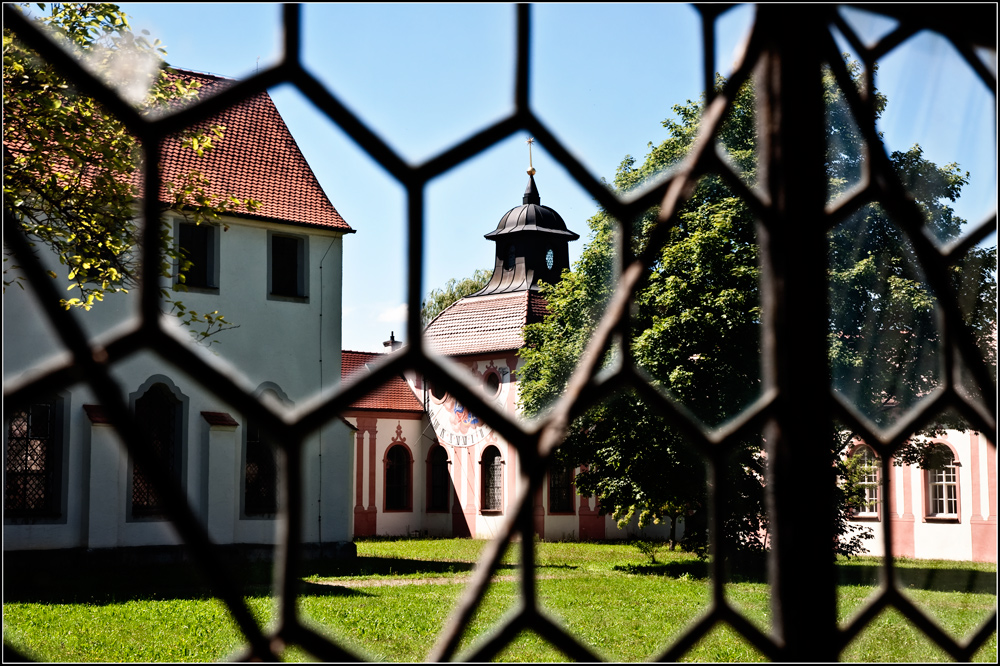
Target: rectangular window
(561, 489)
(397, 479)
(32, 475)
(287, 266)
(440, 480)
(197, 243)
(944, 491)
(868, 482)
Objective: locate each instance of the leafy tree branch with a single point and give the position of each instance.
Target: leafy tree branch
(70, 168)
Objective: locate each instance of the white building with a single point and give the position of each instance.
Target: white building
(277, 273)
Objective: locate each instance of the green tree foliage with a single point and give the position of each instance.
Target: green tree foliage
(70, 167)
(696, 327)
(453, 290)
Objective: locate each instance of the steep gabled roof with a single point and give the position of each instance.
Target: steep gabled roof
(395, 395)
(480, 324)
(258, 159)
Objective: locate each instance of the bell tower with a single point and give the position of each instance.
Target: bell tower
(532, 244)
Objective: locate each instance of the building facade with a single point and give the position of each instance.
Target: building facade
(275, 273)
(427, 466)
(948, 512)
(430, 467)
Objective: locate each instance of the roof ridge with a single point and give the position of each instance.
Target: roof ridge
(197, 72)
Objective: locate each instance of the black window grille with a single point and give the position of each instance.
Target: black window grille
(260, 475)
(440, 480)
(157, 413)
(492, 480)
(397, 479)
(32, 475)
(561, 489)
(787, 48)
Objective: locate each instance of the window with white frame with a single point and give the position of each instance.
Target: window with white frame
(942, 486)
(868, 466)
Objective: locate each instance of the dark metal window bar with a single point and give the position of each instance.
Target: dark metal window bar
(788, 46)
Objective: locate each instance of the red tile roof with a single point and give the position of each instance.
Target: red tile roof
(219, 419)
(96, 413)
(258, 159)
(395, 395)
(479, 324)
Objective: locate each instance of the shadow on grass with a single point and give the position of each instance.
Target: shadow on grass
(385, 566)
(918, 578)
(909, 578)
(104, 584)
(307, 589)
(690, 569)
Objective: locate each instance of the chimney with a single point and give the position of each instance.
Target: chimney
(392, 343)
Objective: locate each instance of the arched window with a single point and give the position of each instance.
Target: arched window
(942, 484)
(560, 488)
(260, 474)
(398, 479)
(492, 480)
(159, 417)
(439, 481)
(868, 467)
(491, 383)
(260, 461)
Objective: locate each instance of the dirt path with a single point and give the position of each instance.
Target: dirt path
(395, 582)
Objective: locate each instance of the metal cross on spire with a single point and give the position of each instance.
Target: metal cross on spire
(531, 169)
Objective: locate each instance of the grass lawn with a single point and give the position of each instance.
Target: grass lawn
(392, 602)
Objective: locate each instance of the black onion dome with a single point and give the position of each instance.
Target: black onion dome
(532, 245)
(532, 216)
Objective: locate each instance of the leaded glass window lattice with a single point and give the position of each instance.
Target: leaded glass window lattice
(31, 473)
(157, 413)
(492, 480)
(260, 475)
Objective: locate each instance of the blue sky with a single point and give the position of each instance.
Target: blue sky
(604, 77)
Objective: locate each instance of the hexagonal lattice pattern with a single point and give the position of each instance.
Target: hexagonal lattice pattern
(796, 400)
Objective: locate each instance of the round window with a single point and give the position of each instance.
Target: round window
(491, 384)
(549, 258)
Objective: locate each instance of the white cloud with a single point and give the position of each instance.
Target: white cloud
(394, 314)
